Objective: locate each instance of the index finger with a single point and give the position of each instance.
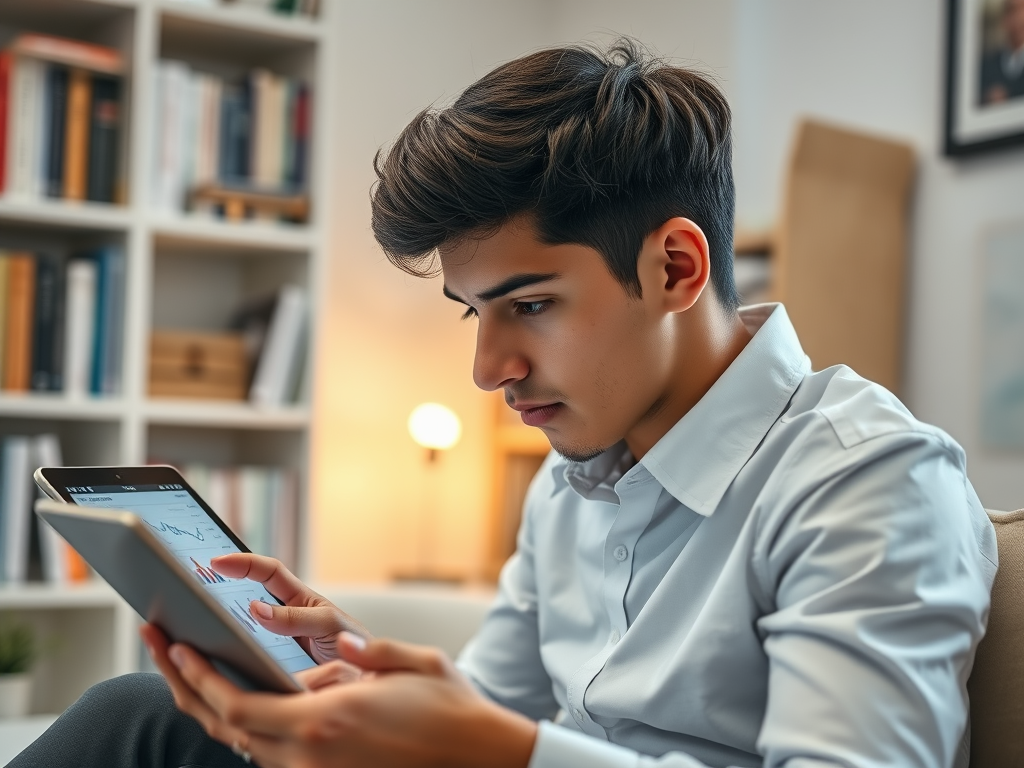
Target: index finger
(268, 571)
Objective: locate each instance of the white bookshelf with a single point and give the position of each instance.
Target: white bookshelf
(181, 272)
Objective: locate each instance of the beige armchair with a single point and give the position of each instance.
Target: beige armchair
(996, 686)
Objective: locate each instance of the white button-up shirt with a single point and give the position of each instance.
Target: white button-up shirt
(797, 574)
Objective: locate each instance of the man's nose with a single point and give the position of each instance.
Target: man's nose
(498, 362)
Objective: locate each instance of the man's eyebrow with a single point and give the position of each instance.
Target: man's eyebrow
(506, 286)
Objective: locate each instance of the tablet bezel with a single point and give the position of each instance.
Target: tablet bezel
(57, 479)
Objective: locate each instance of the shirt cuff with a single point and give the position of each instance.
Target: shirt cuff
(559, 747)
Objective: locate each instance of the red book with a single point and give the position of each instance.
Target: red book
(5, 88)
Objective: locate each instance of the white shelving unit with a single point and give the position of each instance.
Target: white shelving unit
(181, 272)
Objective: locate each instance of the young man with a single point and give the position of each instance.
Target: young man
(727, 560)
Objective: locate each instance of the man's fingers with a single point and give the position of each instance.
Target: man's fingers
(240, 710)
(185, 698)
(270, 572)
(332, 673)
(383, 655)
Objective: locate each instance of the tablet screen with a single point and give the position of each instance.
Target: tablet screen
(193, 537)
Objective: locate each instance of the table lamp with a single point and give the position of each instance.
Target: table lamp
(437, 428)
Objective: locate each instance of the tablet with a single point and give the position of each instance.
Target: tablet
(151, 537)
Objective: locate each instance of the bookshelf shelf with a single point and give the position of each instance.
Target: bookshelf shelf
(238, 27)
(254, 236)
(66, 215)
(39, 597)
(238, 415)
(56, 406)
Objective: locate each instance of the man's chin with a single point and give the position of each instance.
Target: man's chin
(577, 453)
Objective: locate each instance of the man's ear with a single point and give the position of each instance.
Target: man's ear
(679, 262)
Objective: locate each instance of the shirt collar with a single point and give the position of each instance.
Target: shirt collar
(699, 457)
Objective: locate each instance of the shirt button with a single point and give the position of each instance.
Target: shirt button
(620, 553)
(578, 714)
(615, 636)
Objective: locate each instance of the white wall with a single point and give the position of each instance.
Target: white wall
(391, 341)
(878, 65)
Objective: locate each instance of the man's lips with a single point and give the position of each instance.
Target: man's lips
(537, 415)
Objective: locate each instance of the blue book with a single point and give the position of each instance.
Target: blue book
(109, 326)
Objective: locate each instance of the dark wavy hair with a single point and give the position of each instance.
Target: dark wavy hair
(598, 147)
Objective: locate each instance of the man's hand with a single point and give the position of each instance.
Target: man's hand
(415, 709)
(308, 617)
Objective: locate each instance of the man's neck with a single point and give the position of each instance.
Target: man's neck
(709, 338)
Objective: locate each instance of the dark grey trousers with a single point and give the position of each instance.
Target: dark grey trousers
(127, 722)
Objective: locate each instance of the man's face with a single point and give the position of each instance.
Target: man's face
(575, 354)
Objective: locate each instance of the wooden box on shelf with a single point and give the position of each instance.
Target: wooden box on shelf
(194, 364)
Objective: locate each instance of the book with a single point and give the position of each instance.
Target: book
(15, 507)
(76, 142)
(171, 149)
(236, 132)
(5, 93)
(278, 366)
(28, 81)
(54, 130)
(104, 126)
(79, 325)
(108, 330)
(21, 279)
(48, 317)
(4, 263)
(63, 50)
(61, 563)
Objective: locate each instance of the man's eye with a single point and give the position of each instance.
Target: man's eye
(529, 307)
(469, 313)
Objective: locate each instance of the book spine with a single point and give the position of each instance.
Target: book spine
(300, 162)
(4, 293)
(43, 322)
(56, 122)
(5, 96)
(76, 145)
(26, 104)
(16, 509)
(21, 278)
(79, 323)
(104, 127)
(46, 452)
(99, 327)
(274, 369)
(59, 336)
(114, 323)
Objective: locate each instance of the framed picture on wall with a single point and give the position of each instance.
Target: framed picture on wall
(984, 75)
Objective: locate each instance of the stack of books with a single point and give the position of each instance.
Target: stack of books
(30, 550)
(250, 134)
(60, 120)
(260, 504)
(62, 321)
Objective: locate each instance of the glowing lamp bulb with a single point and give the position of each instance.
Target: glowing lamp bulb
(434, 426)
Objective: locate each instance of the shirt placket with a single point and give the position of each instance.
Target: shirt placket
(638, 495)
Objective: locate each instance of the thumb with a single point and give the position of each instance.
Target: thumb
(383, 655)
